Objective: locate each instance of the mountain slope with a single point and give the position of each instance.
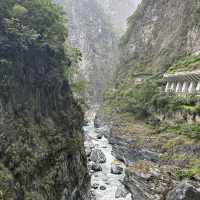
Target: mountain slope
(41, 153)
(153, 130)
(91, 31)
(119, 11)
(95, 28)
(160, 32)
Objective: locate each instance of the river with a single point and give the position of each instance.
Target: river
(110, 182)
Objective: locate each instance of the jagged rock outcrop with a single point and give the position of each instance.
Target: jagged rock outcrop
(147, 181)
(128, 150)
(185, 190)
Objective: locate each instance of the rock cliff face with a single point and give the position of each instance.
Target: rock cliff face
(91, 31)
(119, 11)
(160, 32)
(41, 153)
(95, 28)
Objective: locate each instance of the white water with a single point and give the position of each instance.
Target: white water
(104, 177)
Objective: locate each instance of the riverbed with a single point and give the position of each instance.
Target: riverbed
(107, 184)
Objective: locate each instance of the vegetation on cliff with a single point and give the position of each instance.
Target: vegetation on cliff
(162, 37)
(152, 46)
(188, 63)
(90, 29)
(41, 151)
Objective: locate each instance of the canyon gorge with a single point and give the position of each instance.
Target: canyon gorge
(99, 100)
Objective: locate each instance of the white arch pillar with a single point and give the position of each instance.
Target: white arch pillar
(185, 87)
(192, 87)
(178, 87)
(173, 87)
(167, 86)
(198, 87)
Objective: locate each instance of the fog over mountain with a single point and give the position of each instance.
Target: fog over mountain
(95, 27)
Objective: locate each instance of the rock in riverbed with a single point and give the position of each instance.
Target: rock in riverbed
(88, 146)
(185, 191)
(102, 187)
(99, 136)
(95, 186)
(121, 192)
(92, 195)
(128, 154)
(88, 151)
(104, 131)
(96, 167)
(97, 122)
(116, 168)
(97, 156)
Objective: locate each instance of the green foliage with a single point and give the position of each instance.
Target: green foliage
(135, 99)
(138, 100)
(79, 86)
(19, 11)
(75, 56)
(188, 63)
(182, 128)
(32, 27)
(146, 99)
(192, 110)
(6, 179)
(169, 103)
(189, 173)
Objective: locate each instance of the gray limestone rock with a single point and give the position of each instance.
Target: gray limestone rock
(116, 168)
(97, 156)
(121, 192)
(102, 187)
(185, 191)
(96, 167)
(95, 186)
(147, 181)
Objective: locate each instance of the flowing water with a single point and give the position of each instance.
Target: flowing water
(103, 178)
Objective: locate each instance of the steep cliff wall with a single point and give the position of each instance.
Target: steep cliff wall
(91, 31)
(160, 32)
(95, 27)
(41, 143)
(119, 11)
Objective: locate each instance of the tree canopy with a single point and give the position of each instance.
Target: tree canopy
(28, 25)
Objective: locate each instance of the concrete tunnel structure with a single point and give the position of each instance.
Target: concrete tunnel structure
(183, 82)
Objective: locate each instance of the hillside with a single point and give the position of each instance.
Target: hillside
(159, 33)
(162, 36)
(157, 133)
